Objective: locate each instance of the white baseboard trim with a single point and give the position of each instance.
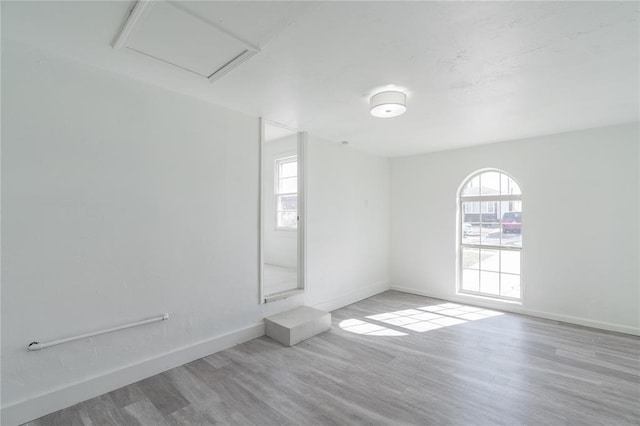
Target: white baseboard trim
(518, 309)
(353, 297)
(43, 404)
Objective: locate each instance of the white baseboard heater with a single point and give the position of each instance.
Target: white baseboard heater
(36, 346)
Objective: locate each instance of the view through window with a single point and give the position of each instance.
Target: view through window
(491, 235)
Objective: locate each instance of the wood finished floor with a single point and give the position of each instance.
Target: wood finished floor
(417, 361)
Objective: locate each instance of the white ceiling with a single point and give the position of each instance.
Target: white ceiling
(475, 72)
(273, 132)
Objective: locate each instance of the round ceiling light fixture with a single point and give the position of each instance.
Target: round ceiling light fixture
(388, 104)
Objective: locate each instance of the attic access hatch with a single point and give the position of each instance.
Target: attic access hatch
(172, 34)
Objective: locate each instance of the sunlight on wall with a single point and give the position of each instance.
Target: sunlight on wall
(419, 319)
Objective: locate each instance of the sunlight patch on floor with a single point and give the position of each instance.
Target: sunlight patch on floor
(425, 318)
(362, 327)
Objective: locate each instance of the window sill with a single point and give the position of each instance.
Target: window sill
(489, 298)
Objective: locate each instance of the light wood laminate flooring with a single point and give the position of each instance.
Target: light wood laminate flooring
(394, 359)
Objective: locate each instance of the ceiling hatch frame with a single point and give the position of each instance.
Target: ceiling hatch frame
(136, 17)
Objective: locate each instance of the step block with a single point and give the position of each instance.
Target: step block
(296, 325)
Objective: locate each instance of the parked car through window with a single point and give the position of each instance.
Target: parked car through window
(512, 222)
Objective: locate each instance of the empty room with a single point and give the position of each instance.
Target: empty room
(320, 213)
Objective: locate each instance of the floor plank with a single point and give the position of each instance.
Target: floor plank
(395, 358)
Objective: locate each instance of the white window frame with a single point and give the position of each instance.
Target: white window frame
(277, 165)
(491, 200)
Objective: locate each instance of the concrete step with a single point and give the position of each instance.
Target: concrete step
(296, 325)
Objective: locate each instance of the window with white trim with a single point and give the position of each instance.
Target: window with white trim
(490, 238)
(286, 192)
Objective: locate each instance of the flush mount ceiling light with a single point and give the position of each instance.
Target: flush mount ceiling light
(388, 104)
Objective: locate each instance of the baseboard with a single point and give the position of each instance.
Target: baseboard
(518, 309)
(38, 406)
(353, 297)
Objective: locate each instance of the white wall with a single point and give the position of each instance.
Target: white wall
(580, 235)
(347, 224)
(123, 201)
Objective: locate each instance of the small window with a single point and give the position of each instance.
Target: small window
(286, 192)
(490, 241)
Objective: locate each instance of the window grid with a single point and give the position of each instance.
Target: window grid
(505, 194)
(286, 193)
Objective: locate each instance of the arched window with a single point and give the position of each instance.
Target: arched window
(490, 209)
